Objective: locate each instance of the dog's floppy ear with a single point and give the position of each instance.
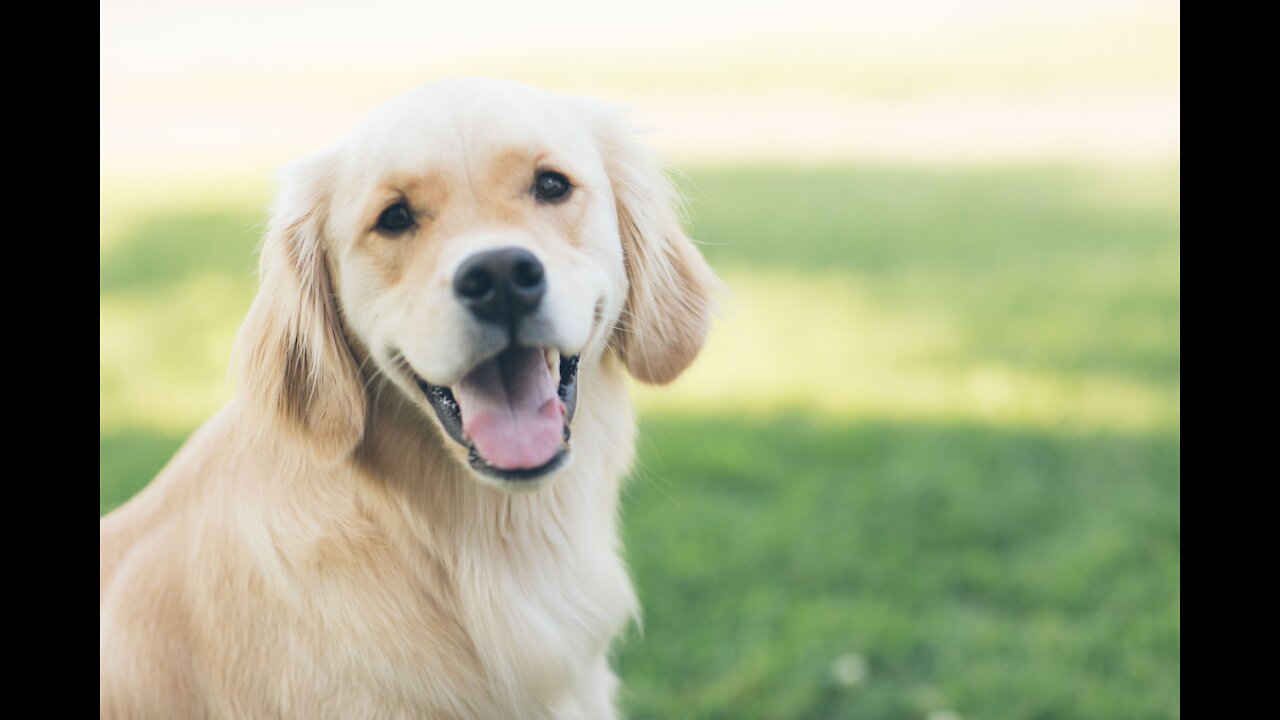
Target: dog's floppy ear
(670, 287)
(295, 364)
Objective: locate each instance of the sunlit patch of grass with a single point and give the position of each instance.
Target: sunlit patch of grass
(163, 356)
(825, 342)
(177, 277)
(1045, 296)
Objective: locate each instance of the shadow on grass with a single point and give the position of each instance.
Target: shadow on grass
(997, 572)
(128, 459)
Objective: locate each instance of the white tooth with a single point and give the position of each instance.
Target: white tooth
(553, 364)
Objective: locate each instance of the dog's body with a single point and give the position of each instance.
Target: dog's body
(339, 541)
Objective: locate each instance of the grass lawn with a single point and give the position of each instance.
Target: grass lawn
(928, 462)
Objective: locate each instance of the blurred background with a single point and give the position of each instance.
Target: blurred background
(928, 465)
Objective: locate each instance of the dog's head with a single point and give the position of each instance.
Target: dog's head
(474, 242)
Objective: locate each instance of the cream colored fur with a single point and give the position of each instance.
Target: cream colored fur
(320, 549)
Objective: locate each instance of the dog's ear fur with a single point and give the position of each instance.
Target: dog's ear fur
(295, 363)
(671, 289)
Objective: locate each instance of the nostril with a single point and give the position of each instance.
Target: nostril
(475, 283)
(500, 286)
(527, 274)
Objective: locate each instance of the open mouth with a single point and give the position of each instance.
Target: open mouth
(511, 412)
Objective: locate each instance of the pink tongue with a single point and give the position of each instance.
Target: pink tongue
(511, 411)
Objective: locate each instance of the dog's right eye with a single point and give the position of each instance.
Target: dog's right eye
(395, 219)
(551, 186)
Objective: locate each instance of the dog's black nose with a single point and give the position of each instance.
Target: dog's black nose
(501, 286)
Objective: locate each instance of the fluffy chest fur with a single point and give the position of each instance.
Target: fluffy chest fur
(512, 618)
(451, 596)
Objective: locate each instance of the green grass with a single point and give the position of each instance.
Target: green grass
(1001, 573)
(935, 437)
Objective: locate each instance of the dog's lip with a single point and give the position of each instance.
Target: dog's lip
(450, 415)
(478, 463)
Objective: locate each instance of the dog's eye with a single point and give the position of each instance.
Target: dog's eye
(395, 219)
(551, 186)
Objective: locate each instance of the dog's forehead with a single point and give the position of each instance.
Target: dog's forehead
(460, 123)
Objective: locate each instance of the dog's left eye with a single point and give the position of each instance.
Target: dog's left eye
(395, 219)
(551, 186)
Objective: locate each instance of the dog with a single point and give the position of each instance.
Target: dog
(409, 507)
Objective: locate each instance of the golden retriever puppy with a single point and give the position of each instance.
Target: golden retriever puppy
(409, 509)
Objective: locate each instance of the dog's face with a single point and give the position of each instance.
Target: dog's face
(476, 243)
